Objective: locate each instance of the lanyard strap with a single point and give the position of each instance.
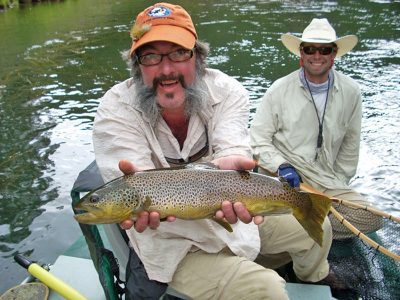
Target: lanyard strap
(320, 122)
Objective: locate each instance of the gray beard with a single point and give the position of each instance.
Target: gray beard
(195, 99)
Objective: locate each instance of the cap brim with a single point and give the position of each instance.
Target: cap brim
(166, 33)
(345, 44)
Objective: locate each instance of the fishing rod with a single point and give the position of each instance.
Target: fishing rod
(49, 279)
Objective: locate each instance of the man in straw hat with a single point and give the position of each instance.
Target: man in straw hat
(173, 111)
(307, 126)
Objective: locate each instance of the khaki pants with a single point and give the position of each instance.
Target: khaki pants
(224, 275)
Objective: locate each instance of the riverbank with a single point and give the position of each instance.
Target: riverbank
(7, 4)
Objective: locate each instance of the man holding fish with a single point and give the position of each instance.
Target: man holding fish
(175, 111)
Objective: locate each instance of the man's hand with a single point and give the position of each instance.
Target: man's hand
(233, 212)
(144, 219)
(234, 162)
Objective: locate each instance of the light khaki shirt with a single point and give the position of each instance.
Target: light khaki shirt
(285, 129)
(122, 131)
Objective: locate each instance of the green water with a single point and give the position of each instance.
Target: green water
(57, 60)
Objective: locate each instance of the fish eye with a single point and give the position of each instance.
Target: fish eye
(94, 198)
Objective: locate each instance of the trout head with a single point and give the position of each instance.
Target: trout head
(112, 203)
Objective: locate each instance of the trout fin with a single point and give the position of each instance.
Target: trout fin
(244, 175)
(314, 218)
(224, 224)
(146, 204)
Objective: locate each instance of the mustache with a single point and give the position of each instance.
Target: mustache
(161, 78)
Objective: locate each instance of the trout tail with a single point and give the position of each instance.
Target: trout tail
(313, 219)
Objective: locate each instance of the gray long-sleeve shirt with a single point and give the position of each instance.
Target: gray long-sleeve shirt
(285, 129)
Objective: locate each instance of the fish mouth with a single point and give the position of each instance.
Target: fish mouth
(86, 218)
(87, 214)
(78, 206)
(89, 218)
(86, 208)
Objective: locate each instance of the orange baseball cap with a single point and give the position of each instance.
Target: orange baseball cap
(163, 22)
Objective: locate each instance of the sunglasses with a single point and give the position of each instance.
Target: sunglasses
(310, 50)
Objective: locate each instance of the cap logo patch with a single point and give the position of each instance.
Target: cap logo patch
(159, 12)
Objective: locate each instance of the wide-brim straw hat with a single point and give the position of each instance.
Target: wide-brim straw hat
(319, 31)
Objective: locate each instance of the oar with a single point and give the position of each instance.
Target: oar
(49, 279)
(351, 227)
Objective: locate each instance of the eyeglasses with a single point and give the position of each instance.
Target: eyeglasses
(153, 59)
(310, 50)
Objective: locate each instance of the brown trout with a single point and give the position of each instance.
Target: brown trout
(197, 193)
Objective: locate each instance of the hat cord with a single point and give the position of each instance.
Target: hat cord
(320, 122)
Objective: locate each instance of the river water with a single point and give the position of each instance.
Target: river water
(57, 60)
